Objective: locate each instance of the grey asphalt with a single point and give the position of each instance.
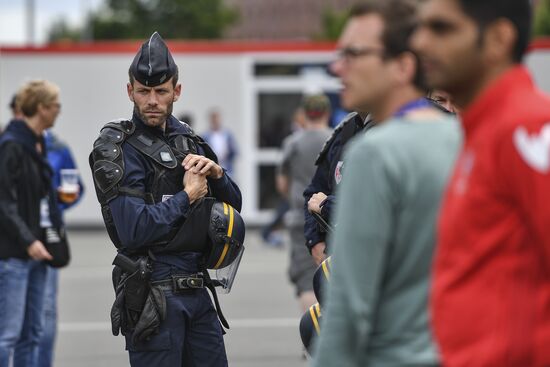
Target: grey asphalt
(261, 308)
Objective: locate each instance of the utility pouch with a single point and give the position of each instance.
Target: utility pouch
(132, 287)
(136, 291)
(139, 308)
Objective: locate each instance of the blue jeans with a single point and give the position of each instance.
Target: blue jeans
(49, 319)
(21, 299)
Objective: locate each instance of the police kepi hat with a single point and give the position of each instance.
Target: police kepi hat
(153, 64)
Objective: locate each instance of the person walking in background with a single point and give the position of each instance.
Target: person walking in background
(294, 173)
(491, 292)
(29, 220)
(222, 142)
(270, 231)
(376, 312)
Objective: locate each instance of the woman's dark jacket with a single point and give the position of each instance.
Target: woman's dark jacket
(25, 179)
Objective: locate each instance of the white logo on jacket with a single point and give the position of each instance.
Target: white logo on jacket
(535, 148)
(338, 172)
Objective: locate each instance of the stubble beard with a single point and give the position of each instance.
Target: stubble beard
(157, 121)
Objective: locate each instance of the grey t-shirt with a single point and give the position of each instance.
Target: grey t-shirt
(298, 163)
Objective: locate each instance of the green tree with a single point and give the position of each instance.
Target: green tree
(61, 31)
(542, 18)
(333, 22)
(137, 19)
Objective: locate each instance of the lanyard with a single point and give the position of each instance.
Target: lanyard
(413, 105)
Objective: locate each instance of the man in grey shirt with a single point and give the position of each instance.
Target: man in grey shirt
(295, 171)
(377, 305)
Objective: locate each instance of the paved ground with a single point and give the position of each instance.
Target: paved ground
(261, 309)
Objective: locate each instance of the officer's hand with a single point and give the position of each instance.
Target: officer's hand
(195, 185)
(37, 251)
(318, 252)
(314, 203)
(200, 164)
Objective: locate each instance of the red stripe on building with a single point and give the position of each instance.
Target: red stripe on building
(177, 47)
(542, 43)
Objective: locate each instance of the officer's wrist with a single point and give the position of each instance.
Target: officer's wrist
(190, 197)
(218, 173)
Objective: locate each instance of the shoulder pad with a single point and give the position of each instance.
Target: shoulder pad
(337, 130)
(123, 125)
(106, 175)
(106, 157)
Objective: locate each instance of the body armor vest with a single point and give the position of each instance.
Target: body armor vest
(165, 157)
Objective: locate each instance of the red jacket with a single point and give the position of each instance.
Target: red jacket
(491, 295)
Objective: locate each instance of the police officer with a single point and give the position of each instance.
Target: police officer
(151, 174)
(319, 194)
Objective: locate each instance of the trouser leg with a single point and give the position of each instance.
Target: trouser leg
(13, 293)
(49, 319)
(26, 351)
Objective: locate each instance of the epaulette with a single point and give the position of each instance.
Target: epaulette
(337, 130)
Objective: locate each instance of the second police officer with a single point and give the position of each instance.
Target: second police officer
(155, 179)
(319, 195)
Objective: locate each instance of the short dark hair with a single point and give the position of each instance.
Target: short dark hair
(131, 77)
(519, 12)
(400, 20)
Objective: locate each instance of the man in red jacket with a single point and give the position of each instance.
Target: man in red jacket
(491, 292)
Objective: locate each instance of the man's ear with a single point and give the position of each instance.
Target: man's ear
(406, 68)
(500, 39)
(130, 90)
(177, 92)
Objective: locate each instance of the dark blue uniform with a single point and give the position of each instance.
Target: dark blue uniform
(191, 334)
(328, 175)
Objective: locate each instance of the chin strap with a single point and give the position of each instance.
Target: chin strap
(210, 284)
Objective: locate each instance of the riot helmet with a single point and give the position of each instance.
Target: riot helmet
(320, 278)
(310, 326)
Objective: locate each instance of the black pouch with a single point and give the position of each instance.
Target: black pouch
(58, 246)
(136, 291)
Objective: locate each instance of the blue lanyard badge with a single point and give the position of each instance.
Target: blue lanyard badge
(411, 106)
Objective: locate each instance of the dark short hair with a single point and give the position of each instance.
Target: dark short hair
(400, 20)
(131, 78)
(519, 12)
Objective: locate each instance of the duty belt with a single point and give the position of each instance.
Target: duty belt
(178, 283)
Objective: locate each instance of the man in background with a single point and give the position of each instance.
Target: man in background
(222, 142)
(294, 173)
(376, 312)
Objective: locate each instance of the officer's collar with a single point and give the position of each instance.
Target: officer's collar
(172, 126)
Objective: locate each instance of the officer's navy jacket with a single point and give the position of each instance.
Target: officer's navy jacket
(140, 224)
(327, 175)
